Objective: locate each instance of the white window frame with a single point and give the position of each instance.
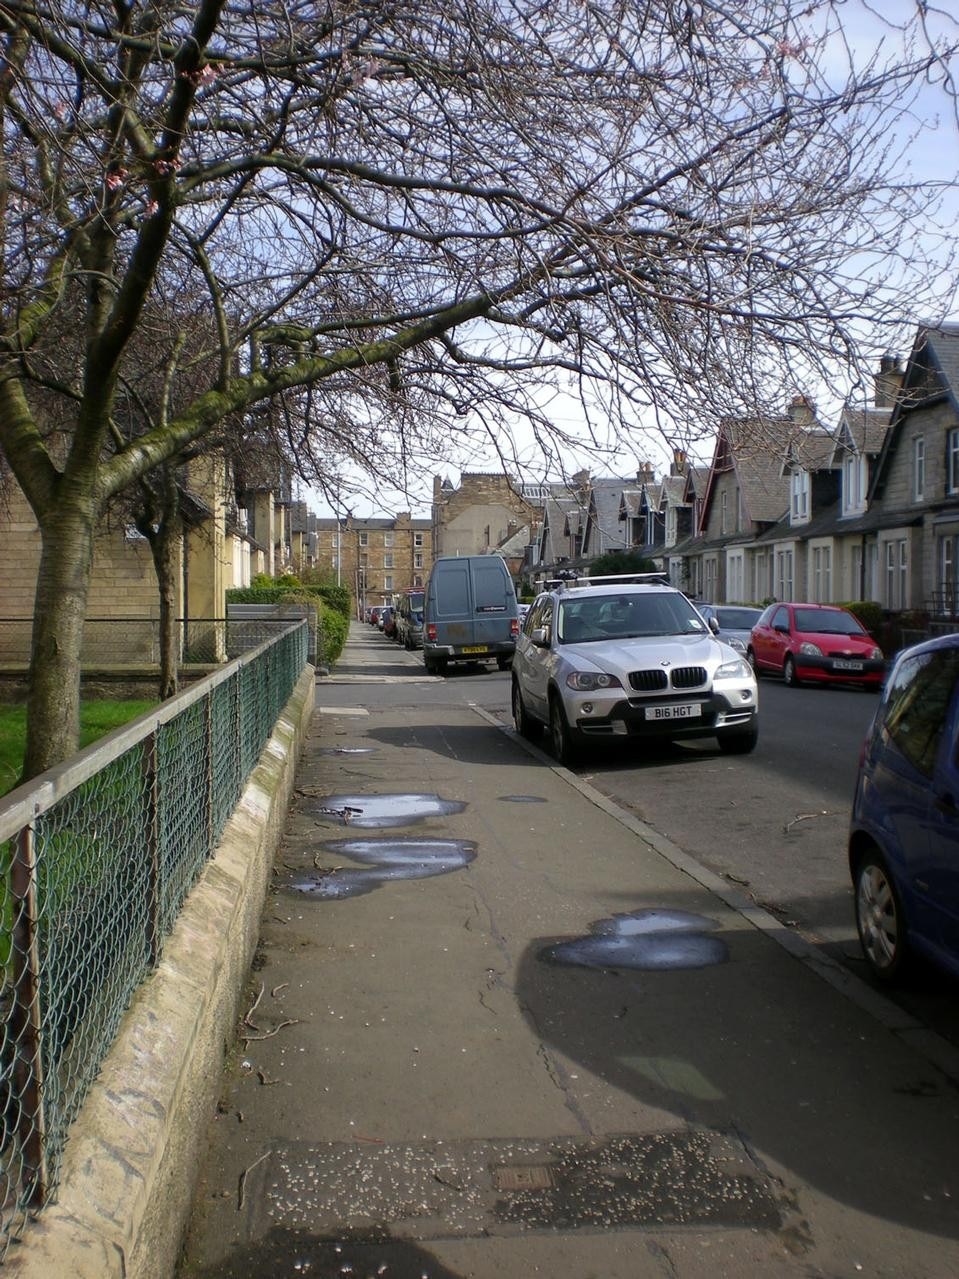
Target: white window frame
(919, 468)
(853, 484)
(952, 461)
(784, 575)
(388, 582)
(364, 539)
(388, 539)
(723, 512)
(822, 574)
(799, 489)
(417, 559)
(736, 577)
(896, 573)
(417, 539)
(388, 560)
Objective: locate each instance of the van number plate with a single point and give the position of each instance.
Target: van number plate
(686, 710)
(476, 648)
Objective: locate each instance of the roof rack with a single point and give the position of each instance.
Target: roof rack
(612, 579)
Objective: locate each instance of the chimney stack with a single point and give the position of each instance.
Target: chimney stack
(888, 381)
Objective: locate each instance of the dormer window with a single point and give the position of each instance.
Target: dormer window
(800, 496)
(853, 484)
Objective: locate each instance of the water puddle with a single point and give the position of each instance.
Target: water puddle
(384, 861)
(371, 811)
(522, 799)
(345, 750)
(647, 940)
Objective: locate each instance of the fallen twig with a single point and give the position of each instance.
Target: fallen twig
(806, 817)
(243, 1176)
(248, 1039)
(252, 1009)
(282, 986)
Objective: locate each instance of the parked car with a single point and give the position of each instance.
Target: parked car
(904, 832)
(470, 612)
(635, 660)
(387, 622)
(409, 620)
(373, 614)
(733, 622)
(818, 643)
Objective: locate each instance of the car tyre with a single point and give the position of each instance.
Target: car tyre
(504, 663)
(790, 678)
(561, 735)
(737, 741)
(880, 921)
(751, 659)
(524, 724)
(434, 666)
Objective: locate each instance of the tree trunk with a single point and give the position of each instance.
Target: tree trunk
(164, 546)
(53, 702)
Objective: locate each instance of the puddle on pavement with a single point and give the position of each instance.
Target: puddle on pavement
(384, 861)
(522, 799)
(382, 810)
(648, 940)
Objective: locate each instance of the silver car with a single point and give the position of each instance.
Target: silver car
(733, 622)
(634, 660)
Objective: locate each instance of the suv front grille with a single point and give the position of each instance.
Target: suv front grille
(689, 676)
(648, 681)
(655, 681)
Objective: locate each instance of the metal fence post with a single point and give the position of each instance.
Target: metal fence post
(208, 765)
(25, 1017)
(152, 834)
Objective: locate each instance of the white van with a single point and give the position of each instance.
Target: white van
(470, 613)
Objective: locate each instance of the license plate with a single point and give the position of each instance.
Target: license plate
(686, 710)
(840, 664)
(476, 648)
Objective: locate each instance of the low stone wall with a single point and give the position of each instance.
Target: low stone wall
(131, 1161)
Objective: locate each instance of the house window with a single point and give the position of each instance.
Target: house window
(853, 484)
(799, 484)
(784, 575)
(919, 468)
(388, 539)
(822, 574)
(735, 577)
(946, 602)
(952, 461)
(388, 560)
(364, 539)
(670, 526)
(417, 539)
(418, 559)
(417, 581)
(723, 512)
(896, 574)
(388, 582)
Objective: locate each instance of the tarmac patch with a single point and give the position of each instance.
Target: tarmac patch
(688, 1177)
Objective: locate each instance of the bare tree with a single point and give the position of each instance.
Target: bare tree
(417, 214)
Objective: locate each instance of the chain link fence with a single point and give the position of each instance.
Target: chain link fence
(120, 642)
(96, 858)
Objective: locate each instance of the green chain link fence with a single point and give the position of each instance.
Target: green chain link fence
(96, 858)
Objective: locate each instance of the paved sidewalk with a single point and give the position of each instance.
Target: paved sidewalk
(494, 1031)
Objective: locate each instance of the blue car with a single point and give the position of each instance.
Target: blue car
(904, 834)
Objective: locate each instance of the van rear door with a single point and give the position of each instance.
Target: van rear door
(494, 600)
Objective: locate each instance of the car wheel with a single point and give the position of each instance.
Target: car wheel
(790, 678)
(738, 742)
(751, 659)
(432, 665)
(504, 663)
(522, 722)
(879, 918)
(561, 735)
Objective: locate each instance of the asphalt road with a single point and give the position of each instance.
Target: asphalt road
(772, 823)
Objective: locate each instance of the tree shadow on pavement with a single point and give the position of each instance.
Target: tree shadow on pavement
(758, 1045)
(295, 1254)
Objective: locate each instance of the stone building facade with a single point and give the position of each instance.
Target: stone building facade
(479, 516)
(375, 558)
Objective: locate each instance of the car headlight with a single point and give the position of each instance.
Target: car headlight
(737, 644)
(876, 655)
(810, 650)
(735, 670)
(589, 681)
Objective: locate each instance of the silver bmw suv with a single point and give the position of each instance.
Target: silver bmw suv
(630, 659)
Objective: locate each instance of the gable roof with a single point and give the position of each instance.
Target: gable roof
(755, 448)
(932, 375)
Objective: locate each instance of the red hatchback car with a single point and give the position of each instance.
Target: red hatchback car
(818, 643)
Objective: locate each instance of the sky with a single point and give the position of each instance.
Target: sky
(932, 155)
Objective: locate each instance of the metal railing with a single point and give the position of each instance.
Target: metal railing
(96, 858)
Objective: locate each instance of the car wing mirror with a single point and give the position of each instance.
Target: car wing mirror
(540, 636)
(713, 625)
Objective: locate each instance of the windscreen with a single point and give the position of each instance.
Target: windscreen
(627, 616)
(826, 622)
